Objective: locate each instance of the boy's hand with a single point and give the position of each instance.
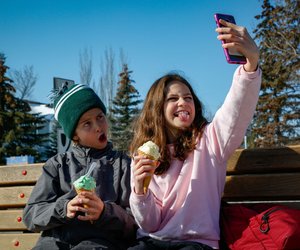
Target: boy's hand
(93, 209)
(94, 205)
(75, 205)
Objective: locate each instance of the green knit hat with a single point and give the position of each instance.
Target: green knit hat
(70, 104)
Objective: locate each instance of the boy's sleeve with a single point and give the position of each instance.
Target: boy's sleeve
(46, 208)
(118, 217)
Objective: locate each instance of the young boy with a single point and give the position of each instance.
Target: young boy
(54, 207)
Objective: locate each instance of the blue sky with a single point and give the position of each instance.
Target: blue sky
(157, 36)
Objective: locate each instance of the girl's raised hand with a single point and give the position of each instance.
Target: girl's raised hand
(237, 37)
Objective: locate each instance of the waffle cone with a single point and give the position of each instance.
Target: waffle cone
(146, 183)
(78, 191)
(148, 156)
(147, 180)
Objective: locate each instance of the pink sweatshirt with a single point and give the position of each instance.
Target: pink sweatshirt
(184, 203)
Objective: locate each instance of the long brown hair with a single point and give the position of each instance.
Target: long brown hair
(151, 124)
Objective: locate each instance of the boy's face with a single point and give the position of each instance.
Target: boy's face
(91, 130)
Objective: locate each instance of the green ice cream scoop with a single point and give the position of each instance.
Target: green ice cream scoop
(85, 182)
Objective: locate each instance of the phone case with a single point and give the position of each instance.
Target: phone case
(231, 56)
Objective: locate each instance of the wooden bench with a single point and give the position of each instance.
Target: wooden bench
(264, 175)
(16, 183)
(261, 177)
(253, 175)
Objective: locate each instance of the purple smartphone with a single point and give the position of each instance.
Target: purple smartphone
(232, 56)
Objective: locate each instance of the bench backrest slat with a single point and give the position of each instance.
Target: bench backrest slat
(18, 241)
(284, 186)
(264, 160)
(11, 219)
(269, 174)
(14, 196)
(20, 174)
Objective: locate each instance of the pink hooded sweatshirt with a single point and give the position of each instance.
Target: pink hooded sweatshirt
(183, 204)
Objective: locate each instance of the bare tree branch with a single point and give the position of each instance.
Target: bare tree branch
(25, 80)
(108, 79)
(86, 64)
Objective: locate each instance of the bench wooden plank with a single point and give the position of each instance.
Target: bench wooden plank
(14, 196)
(18, 241)
(261, 160)
(281, 186)
(20, 174)
(11, 219)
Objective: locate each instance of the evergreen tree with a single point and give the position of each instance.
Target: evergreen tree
(18, 127)
(27, 140)
(124, 110)
(277, 119)
(7, 105)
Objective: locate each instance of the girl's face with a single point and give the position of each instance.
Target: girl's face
(91, 130)
(179, 108)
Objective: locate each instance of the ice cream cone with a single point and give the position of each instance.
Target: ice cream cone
(85, 183)
(78, 191)
(151, 151)
(146, 183)
(147, 180)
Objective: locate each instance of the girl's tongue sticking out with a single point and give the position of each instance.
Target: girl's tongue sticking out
(183, 115)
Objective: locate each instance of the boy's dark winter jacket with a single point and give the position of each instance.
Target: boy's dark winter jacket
(46, 208)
